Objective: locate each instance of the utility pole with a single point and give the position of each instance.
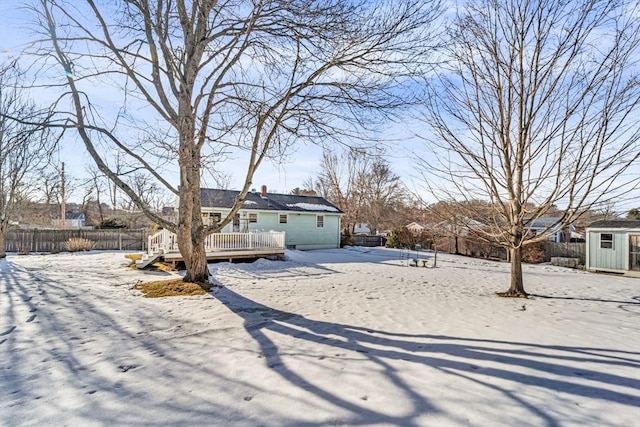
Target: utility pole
(63, 204)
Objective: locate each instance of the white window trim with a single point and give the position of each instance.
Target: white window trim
(286, 218)
(612, 240)
(317, 218)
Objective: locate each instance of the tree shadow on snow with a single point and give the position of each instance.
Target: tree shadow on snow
(59, 340)
(490, 365)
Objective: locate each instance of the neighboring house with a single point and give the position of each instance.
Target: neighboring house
(614, 246)
(309, 222)
(416, 227)
(552, 226)
(361, 228)
(459, 226)
(73, 220)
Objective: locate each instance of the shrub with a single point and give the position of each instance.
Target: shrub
(401, 237)
(112, 223)
(77, 244)
(533, 253)
(346, 240)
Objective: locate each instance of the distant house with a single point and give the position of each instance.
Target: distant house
(361, 228)
(613, 246)
(73, 220)
(416, 227)
(553, 226)
(459, 226)
(309, 222)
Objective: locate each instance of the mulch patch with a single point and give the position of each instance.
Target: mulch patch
(172, 288)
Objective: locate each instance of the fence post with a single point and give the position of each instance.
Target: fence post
(119, 239)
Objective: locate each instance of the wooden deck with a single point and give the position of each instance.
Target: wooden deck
(229, 255)
(162, 246)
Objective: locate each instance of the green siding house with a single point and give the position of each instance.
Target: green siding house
(614, 246)
(309, 222)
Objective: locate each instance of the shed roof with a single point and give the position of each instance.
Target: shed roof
(616, 224)
(215, 198)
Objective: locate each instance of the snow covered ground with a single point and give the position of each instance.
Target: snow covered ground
(335, 337)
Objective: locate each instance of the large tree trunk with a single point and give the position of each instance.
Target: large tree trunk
(191, 240)
(190, 230)
(3, 254)
(517, 284)
(196, 264)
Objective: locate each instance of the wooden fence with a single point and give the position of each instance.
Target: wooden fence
(567, 250)
(26, 241)
(369, 241)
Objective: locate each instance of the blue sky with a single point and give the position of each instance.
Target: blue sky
(290, 172)
(300, 164)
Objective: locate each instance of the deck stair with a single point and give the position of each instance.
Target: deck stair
(147, 259)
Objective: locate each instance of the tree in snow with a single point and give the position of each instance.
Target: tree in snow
(362, 185)
(537, 106)
(25, 149)
(197, 82)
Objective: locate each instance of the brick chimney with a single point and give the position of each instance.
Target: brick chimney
(263, 191)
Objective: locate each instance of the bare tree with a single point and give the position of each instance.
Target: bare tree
(384, 195)
(361, 184)
(94, 188)
(221, 77)
(340, 181)
(538, 106)
(24, 149)
(49, 185)
(149, 191)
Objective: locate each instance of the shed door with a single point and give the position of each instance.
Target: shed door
(634, 252)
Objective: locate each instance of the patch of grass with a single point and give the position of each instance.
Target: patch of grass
(171, 288)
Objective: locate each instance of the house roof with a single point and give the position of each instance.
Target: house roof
(74, 215)
(418, 224)
(543, 222)
(225, 199)
(615, 224)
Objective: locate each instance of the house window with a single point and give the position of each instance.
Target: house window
(253, 217)
(282, 218)
(320, 221)
(211, 218)
(606, 240)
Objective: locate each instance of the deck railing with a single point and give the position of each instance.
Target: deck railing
(165, 241)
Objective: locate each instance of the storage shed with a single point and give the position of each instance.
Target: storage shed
(614, 246)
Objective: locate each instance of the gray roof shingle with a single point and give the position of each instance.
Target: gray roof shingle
(214, 198)
(615, 224)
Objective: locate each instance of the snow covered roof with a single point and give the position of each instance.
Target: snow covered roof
(313, 207)
(225, 199)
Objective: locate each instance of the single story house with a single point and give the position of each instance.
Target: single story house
(613, 246)
(309, 222)
(551, 226)
(361, 228)
(459, 225)
(416, 227)
(73, 220)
